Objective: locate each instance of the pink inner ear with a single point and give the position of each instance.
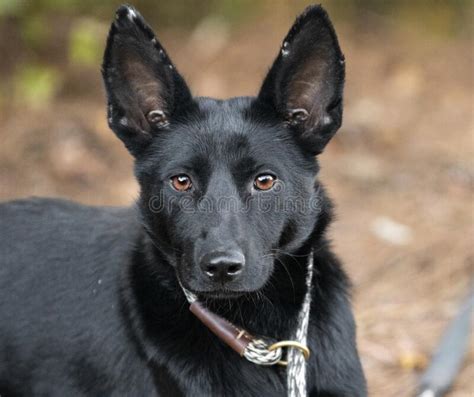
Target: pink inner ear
(142, 91)
(307, 78)
(146, 87)
(310, 89)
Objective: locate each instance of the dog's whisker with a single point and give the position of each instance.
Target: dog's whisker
(289, 276)
(152, 238)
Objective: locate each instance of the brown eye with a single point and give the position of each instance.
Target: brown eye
(181, 182)
(264, 182)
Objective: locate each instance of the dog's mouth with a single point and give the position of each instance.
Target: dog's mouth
(216, 293)
(220, 294)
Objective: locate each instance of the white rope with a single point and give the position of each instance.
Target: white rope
(296, 371)
(190, 296)
(257, 350)
(258, 353)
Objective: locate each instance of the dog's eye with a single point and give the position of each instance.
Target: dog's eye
(181, 182)
(264, 182)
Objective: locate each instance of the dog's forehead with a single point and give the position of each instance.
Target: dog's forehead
(223, 128)
(225, 116)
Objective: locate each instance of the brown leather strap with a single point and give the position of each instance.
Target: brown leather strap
(237, 339)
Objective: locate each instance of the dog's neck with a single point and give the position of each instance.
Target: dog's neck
(160, 299)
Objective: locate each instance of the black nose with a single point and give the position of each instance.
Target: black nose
(223, 266)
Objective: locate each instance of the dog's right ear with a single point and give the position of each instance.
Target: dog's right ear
(144, 90)
(304, 86)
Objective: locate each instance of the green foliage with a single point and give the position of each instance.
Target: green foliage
(35, 30)
(86, 42)
(11, 7)
(36, 85)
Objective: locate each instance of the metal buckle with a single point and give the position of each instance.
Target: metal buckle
(292, 344)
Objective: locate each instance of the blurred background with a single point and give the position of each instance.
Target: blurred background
(400, 170)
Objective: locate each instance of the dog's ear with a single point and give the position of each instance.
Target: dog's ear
(144, 90)
(305, 84)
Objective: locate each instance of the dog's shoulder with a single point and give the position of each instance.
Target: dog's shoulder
(59, 267)
(52, 239)
(36, 218)
(53, 207)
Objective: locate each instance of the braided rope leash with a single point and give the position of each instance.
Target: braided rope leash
(296, 375)
(266, 352)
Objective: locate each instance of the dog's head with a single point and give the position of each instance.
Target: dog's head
(225, 185)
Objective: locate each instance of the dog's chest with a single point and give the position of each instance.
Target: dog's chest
(219, 374)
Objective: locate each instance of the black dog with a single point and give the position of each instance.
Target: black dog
(90, 300)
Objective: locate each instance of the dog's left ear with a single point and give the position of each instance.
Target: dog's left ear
(305, 84)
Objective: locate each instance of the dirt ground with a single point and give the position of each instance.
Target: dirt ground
(400, 172)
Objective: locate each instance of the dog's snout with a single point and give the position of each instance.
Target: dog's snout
(223, 266)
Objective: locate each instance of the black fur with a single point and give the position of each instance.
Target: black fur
(90, 302)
